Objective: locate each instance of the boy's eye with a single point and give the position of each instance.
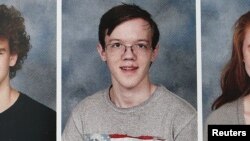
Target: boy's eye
(116, 45)
(2, 52)
(141, 46)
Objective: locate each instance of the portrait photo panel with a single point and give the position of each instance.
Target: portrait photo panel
(83, 71)
(37, 77)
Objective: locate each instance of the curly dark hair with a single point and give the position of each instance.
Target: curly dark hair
(13, 29)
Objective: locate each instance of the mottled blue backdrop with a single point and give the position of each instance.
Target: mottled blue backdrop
(37, 78)
(83, 72)
(217, 19)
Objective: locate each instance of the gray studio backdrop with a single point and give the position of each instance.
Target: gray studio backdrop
(83, 72)
(217, 19)
(37, 78)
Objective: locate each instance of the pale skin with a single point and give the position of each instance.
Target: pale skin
(131, 85)
(8, 95)
(246, 56)
(247, 109)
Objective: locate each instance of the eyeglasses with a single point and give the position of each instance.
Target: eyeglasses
(138, 48)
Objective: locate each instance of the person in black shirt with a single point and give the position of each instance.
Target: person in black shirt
(21, 118)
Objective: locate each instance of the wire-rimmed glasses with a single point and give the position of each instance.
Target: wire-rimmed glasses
(120, 47)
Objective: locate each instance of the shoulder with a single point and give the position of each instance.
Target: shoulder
(35, 107)
(226, 114)
(179, 112)
(93, 101)
(175, 102)
(39, 120)
(176, 107)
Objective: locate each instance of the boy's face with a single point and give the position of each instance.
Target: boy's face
(6, 60)
(129, 53)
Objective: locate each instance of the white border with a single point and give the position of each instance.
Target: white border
(199, 70)
(59, 69)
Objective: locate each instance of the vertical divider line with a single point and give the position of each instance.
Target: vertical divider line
(59, 69)
(199, 70)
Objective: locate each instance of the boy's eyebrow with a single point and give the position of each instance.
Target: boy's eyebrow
(2, 49)
(112, 40)
(142, 40)
(139, 40)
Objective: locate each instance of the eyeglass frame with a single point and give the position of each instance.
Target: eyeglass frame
(133, 47)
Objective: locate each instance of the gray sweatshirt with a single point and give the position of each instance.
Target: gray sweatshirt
(229, 113)
(164, 116)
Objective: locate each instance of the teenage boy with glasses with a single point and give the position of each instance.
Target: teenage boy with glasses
(132, 107)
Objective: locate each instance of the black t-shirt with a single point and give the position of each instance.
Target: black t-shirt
(28, 120)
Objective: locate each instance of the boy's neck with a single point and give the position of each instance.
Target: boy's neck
(126, 98)
(8, 97)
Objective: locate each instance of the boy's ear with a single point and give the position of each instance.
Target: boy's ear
(155, 53)
(101, 52)
(13, 59)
